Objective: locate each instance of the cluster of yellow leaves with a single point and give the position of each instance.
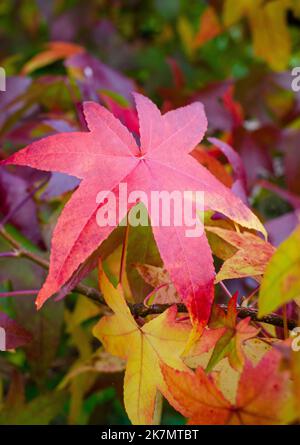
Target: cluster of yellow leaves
(267, 21)
(81, 339)
(268, 24)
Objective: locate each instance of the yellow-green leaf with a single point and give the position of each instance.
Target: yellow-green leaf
(281, 282)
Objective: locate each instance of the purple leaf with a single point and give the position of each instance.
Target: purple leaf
(289, 144)
(60, 184)
(98, 76)
(281, 227)
(15, 86)
(254, 149)
(239, 173)
(211, 96)
(15, 335)
(17, 205)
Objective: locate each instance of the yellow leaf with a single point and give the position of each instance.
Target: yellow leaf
(161, 340)
(234, 10)
(270, 33)
(81, 339)
(295, 5)
(271, 38)
(186, 34)
(226, 377)
(250, 259)
(84, 310)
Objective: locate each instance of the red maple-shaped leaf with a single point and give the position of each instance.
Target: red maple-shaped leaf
(108, 155)
(263, 395)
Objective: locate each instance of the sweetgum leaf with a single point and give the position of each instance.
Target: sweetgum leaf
(263, 395)
(161, 340)
(108, 155)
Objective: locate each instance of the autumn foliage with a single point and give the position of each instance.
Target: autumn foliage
(142, 323)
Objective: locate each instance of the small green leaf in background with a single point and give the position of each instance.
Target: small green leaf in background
(40, 411)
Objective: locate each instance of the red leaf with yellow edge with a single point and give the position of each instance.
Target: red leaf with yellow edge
(161, 340)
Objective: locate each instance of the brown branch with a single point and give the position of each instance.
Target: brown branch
(140, 310)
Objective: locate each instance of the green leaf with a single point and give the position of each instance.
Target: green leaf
(143, 250)
(40, 411)
(45, 327)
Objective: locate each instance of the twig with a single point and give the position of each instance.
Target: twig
(21, 252)
(123, 256)
(9, 254)
(140, 310)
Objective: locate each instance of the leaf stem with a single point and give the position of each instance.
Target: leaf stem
(9, 254)
(123, 256)
(226, 290)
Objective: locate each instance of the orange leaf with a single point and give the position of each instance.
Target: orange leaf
(213, 165)
(54, 51)
(209, 27)
(263, 395)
